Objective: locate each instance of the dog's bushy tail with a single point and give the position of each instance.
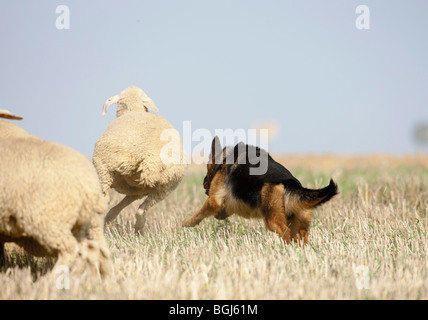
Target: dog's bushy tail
(311, 198)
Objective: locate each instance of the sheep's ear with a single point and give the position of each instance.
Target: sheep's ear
(216, 156)
(109, 101)
(149, 104)
(8, 115)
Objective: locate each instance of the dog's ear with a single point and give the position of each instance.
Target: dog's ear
(216, 156)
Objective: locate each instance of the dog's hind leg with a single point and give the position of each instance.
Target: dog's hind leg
(299, 226)
(277, 223)
(273, 208)
(210, 207)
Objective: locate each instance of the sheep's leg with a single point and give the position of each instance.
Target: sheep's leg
(141, 215)
(96, 233)
(61, 242)
(92, 257)
(68, 249)
(114, 212)
(149, 202)
(140, 218)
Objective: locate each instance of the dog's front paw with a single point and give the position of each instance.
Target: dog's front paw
(188, 222)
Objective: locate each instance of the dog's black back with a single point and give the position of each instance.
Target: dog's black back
(246, 186)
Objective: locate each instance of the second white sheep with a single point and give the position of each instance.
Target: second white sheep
(140, 154)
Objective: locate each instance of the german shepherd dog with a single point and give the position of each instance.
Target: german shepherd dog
(275, 195)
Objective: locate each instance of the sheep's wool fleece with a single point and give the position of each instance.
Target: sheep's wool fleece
(8, 129)
(47, 191)
(130, 151)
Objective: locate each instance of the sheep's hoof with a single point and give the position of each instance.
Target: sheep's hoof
(188, 222)
(138, 230)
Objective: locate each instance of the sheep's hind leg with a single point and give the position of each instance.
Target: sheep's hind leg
(96, 233)
(141, 217)
(64, 244)
(149, 202)
(114, 212)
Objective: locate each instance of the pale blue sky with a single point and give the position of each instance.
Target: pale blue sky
(223, 64)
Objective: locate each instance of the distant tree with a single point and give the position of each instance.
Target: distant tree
(420, 134)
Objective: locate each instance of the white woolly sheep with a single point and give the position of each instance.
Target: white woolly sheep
(139, 154)
(51, 202)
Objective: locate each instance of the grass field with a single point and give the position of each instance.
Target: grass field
(369, 242)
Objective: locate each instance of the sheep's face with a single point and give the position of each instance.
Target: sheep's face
(109, 102)
(130, 99)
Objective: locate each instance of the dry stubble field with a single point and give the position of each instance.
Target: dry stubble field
(370, 242)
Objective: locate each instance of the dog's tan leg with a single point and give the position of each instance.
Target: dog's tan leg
(210, 207)
(299, 227)
(273, 208)
(277, 223)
